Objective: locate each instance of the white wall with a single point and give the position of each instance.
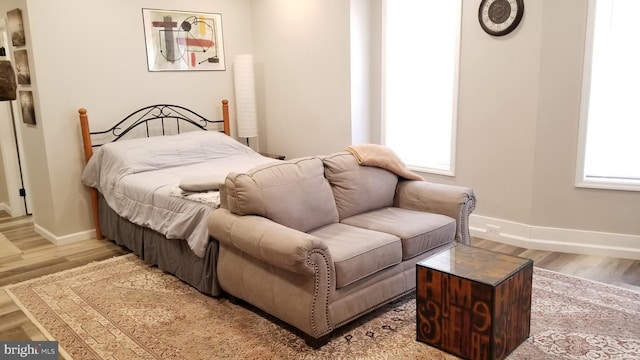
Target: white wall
(303, 85)
(497, 113)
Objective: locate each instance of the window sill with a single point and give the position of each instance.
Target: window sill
(609, 184)
(431, 170)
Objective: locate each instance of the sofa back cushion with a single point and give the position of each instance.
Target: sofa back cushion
(358, 188)
(294, 193)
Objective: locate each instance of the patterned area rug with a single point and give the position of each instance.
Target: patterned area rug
(122, 308)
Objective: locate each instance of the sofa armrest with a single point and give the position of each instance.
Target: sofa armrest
(454, 201)
(268, 241)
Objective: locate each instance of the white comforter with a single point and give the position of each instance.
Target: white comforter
(136, 178)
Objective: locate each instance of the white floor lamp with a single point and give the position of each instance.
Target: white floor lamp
(246, 115)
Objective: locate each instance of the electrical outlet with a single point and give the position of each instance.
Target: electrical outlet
(493, 229)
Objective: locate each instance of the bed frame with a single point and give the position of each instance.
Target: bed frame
(172, 256)
(163, 114)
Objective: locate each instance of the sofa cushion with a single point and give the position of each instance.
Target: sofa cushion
(358, 188)
(357, 252)
(294, 193)
(419, 231)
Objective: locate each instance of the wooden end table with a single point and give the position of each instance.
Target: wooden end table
(274, 156)
(473, 303)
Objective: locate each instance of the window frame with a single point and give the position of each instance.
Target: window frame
(582, 180)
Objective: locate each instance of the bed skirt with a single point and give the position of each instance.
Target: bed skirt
(172, 256)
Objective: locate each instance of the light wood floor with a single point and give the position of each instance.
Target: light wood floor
(40, 257)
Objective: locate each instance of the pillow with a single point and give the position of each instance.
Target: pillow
(293, 193)
(200, 183)
(358, 188)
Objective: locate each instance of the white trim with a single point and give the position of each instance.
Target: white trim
(432, 170)
(582, 180)
(456, 99)
(66, 239)
(586, 91)
(6, 208)
(608, 183)
(555, 239)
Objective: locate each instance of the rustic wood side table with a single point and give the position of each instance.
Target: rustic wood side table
(275, 156)
(473, 303)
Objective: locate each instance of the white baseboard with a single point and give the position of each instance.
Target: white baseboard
(66, 239)
(6, 208)
(555, 239)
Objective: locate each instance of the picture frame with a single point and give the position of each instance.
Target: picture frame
(15, 26)
(27, 106)
(183, 41)
(22, 67)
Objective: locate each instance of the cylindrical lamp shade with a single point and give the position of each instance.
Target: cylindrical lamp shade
(246, 115)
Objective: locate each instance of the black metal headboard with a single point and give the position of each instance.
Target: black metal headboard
(161, 116)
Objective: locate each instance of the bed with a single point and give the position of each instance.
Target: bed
(153, 180)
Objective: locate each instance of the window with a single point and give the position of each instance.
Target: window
(420, 72)
(609, 152)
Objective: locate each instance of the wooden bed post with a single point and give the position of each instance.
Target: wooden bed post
(88, 152)
(225, 116)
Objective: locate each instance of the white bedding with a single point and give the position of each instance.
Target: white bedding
(137, 178)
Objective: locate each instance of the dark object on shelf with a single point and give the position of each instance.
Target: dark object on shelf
(7, 81)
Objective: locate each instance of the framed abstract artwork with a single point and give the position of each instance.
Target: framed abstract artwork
(178, 40)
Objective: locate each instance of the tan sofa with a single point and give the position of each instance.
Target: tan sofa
(317, 242)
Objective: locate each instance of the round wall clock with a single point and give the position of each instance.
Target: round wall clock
(500, 17)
